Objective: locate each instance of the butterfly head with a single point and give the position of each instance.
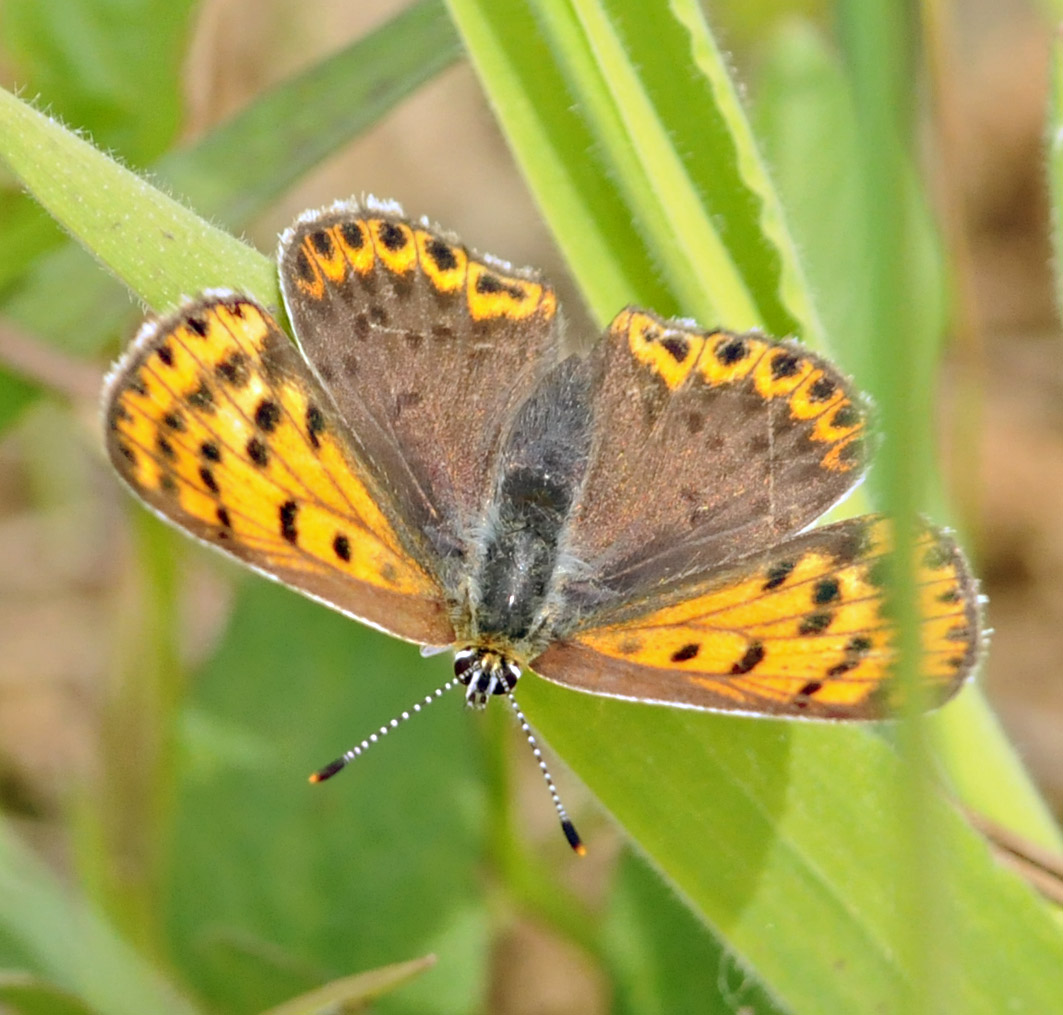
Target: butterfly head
(484, 672)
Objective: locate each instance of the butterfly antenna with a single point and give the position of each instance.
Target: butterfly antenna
(566, 823)
(345, 759)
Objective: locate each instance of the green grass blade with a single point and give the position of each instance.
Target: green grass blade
(634, 143)
(56, 935)
(352, 992)
(29, 995)
(807, 125)
(159, 248)
(595, 100)
(578, 198)
(235, 172)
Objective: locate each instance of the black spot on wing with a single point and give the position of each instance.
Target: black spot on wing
(686, 653)
(287, 514)
(816, 623)
(777, 574)
(750, 660)
(258, 452)
(341, 546)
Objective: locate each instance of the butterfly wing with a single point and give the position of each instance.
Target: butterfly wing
(428, 351)
(215, 421)
(799, 630)
(708, 445)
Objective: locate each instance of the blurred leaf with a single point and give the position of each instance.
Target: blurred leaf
(1055, 160)
(94, 61)
(279, 885)
(241, 167)
(46, 929)
(352, 993)
(806, 123)
(28, 995)
(15, 394)
(25, 235)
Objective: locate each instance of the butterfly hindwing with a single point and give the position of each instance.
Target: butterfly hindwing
(801, 630)
(216, 422)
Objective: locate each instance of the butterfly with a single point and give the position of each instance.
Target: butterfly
(630, 521)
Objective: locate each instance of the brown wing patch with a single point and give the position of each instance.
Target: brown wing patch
(709, 445)
(800, 631)
(213, 419)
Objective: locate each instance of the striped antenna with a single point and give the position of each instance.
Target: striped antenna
(566, 823)
(355, 752)
(569, 829)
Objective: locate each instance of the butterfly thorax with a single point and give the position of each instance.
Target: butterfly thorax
(512, 593)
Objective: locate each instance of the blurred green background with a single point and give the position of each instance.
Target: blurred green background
(159, 711)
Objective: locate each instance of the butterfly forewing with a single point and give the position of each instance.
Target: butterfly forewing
(216, 422)
(708, 445)
(801, 630)
(427, 349)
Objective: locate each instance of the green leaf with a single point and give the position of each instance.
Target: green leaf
(663, 960)
(158, 247)
(785, 838)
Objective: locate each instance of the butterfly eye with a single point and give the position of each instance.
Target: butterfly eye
(484, 673)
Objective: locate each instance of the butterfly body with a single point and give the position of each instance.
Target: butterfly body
(628, 520)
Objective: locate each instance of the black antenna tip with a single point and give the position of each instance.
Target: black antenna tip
(573, 837)
(329, 771)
